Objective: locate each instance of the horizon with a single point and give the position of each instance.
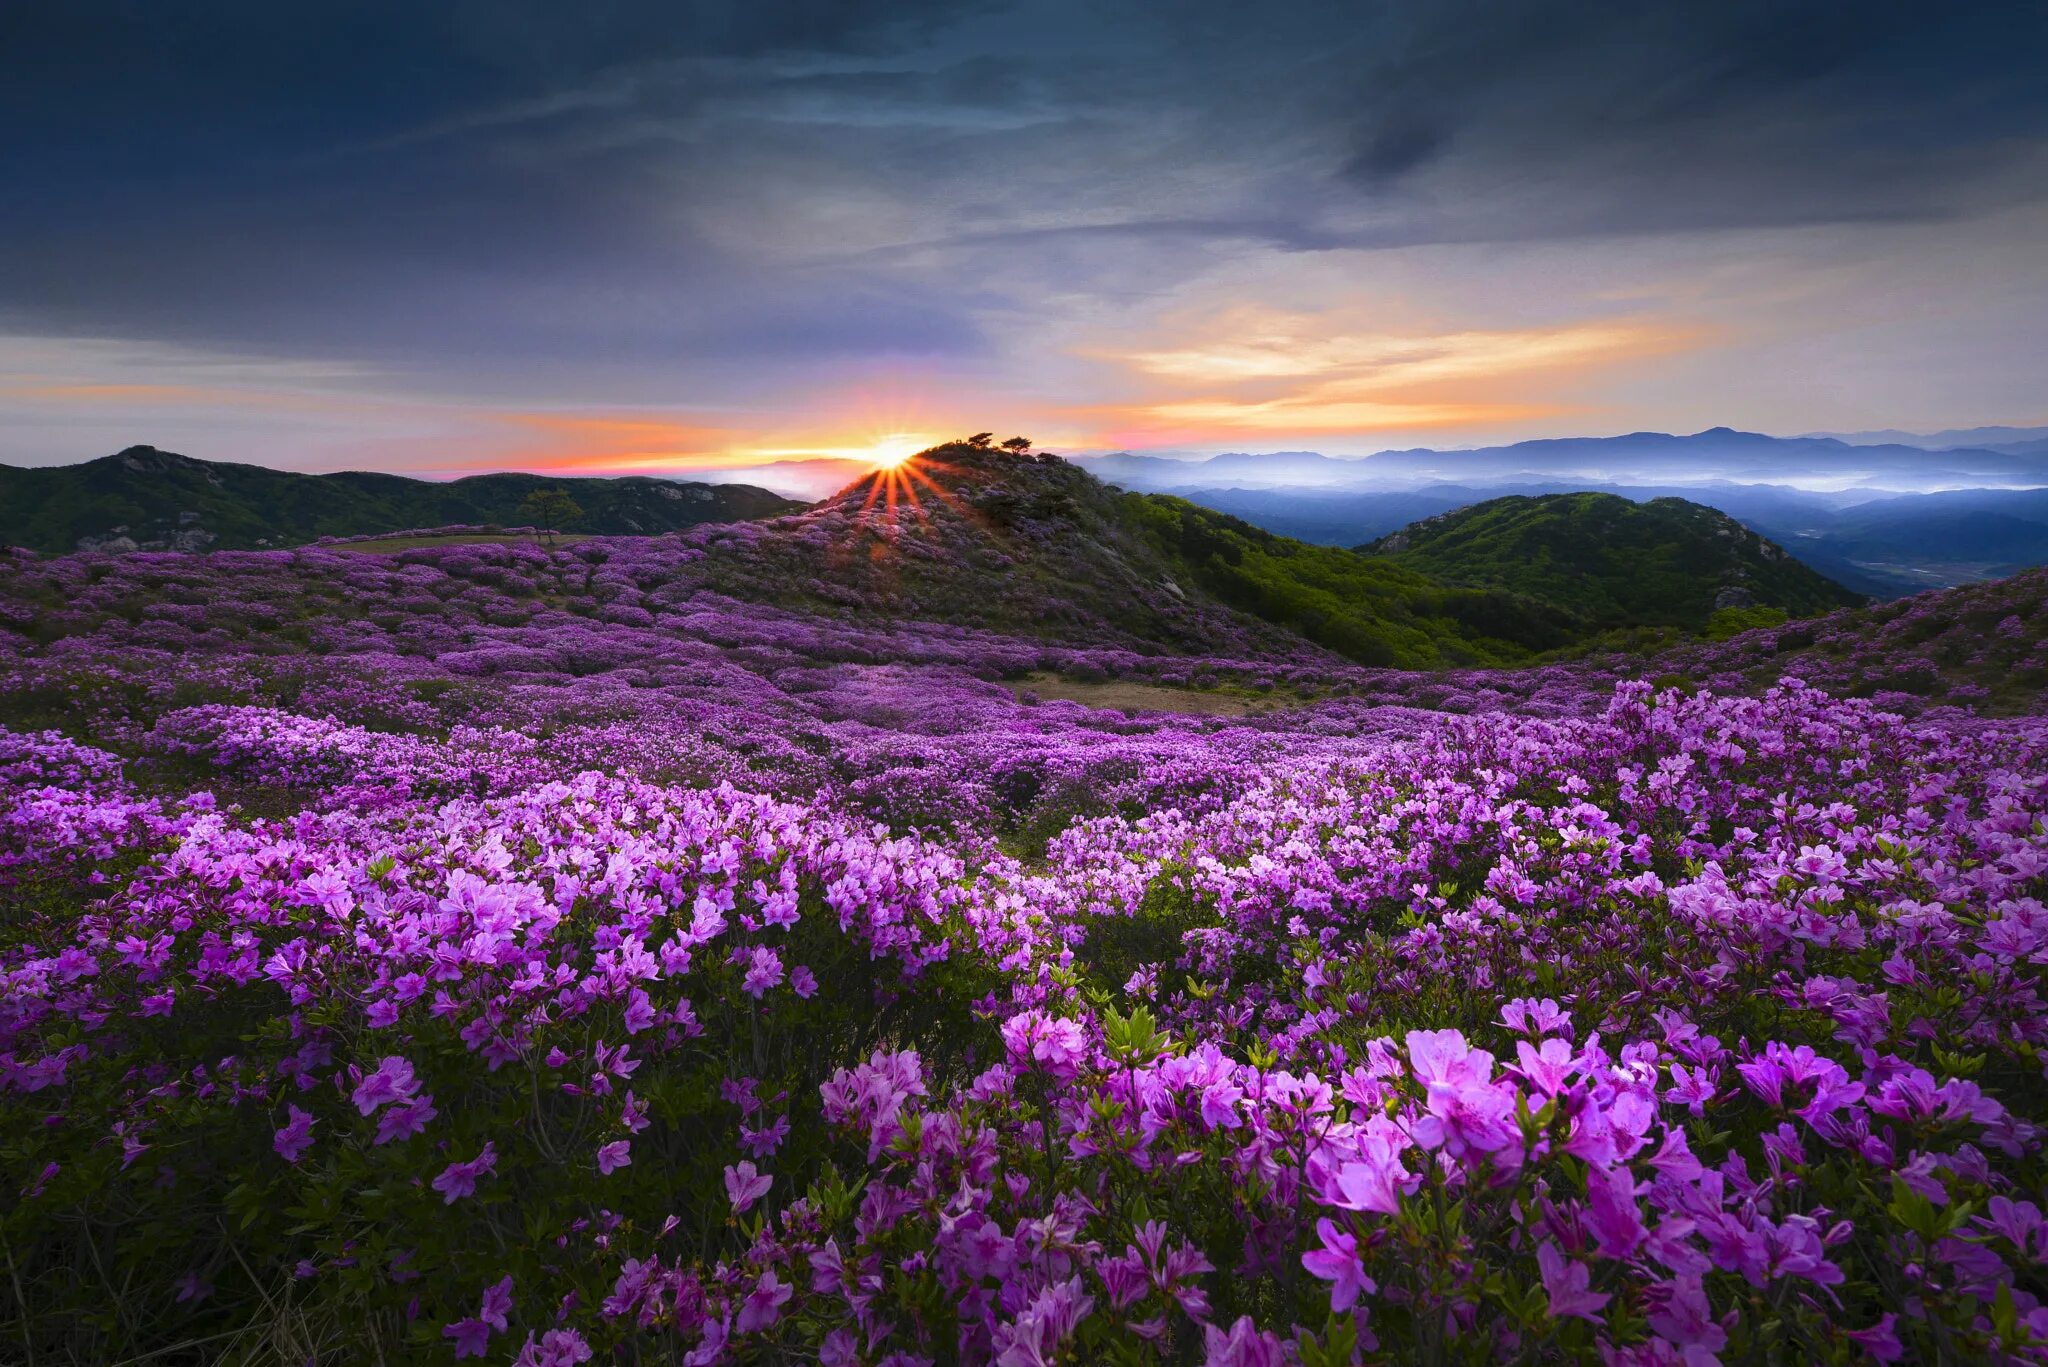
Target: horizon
(676, 241)
(812, 477)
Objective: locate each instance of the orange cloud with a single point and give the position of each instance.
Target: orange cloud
(1260, 371)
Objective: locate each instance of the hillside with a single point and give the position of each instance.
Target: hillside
(1613, 563)
(143, 498)
(1983, 646)
(1037, 546)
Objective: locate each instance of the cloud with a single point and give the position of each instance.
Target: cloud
(728, 210)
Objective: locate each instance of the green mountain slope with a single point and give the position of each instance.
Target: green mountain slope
(1036, 546)
(1613, 563)
(159, 500)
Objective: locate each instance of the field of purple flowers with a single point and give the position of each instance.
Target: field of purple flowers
(563, 955)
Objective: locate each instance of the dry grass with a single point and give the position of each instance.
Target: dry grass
(1123, 695)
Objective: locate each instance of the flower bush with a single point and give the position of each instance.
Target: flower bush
(399, 958)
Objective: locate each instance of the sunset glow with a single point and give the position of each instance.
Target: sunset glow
(894, 449)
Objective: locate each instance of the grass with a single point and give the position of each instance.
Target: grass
(1123, 695)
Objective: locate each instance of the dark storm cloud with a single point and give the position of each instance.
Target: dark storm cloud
(1654, 117)
(627, 189)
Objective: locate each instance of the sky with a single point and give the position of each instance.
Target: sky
(664, 237)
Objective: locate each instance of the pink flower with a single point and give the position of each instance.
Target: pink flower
(764, 970)
(1548, 1066)
(745, 1186)
(1336, 1262)
(803, 982)
(1375, 1180)
(1528, 1016)
(615, 1155)
(296, 1137)
(1057, 1045)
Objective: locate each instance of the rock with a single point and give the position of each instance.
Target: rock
(1734, 596)
(111, 543)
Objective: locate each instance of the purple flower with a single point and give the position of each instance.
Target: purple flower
(556, 1348)
(764, 1303)
(764, 1141)
(1565, 1282)
(744, 1186)
(1881, 1340)
(1685, 1320)
(613, 1156)
(292, 1141)
(458, 1180)
(1242, 1345)
(472, 1337)
(1611, 1212)
(392, 1082)
(405, 1120)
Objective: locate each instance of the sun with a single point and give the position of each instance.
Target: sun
(886, 453)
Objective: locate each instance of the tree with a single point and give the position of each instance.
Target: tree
(1017, 446)
(980, 440)
(550, 510)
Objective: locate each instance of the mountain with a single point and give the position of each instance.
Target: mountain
(1036, 546)
(1981, 438)
(1883, 545)
(143, 498)
(1614, 563)
(1719, 454)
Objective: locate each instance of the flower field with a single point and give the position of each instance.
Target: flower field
(564, 955)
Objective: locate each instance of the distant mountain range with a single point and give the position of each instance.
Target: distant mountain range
(2011, 440)
(1717, 455)
(147, 499)
(1883, 516)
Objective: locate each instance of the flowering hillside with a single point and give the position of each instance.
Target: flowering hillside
(688, 950)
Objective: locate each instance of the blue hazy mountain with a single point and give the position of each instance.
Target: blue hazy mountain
(1885, 513)
(1717, 454)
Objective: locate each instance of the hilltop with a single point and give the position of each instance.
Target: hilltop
(1035, 545)
(147, 499)
(1613, 563)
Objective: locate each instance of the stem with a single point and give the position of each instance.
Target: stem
(13, 1275)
